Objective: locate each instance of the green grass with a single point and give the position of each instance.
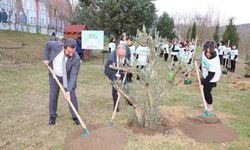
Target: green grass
(24, 107)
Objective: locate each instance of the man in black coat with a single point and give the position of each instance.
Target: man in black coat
(119, 57)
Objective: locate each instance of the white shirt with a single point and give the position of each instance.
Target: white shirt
(122, 42)
(112, 46)
(181, 52)
(185, 56)
(192, 47)
(226, 53)
(143, 53)
(212, 65)
(191, 51)
(166, 49)
(175, 48)
(233, 53)
(132, 52)
(221, 49)
(57, 63)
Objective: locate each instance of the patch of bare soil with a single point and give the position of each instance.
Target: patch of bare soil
(101, 137)
(242, 85)
(202, 131)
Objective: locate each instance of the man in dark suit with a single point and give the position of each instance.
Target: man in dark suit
(65, 63)
(118, 58)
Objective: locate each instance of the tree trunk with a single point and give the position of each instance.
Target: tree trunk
(117, 38)
(150, 97)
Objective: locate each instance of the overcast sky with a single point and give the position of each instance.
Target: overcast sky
(240, 9)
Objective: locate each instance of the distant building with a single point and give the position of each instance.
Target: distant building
(51, 14)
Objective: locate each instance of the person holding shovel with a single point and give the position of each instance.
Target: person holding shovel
(64, 61)
(118, 58)
(211, 72)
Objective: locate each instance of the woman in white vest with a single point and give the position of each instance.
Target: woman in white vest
(233, 57)
(221, 49)
(211, 72)
(166, 51)
(142, 53)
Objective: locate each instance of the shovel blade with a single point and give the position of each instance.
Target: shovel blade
(110, 123)
(206, 114)
(86, 133)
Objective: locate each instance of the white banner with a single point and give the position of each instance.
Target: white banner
(92, 39)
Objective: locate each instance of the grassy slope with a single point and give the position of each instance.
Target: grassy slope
(29, 53)
(24, 107)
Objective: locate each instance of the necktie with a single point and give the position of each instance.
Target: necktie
(65, 80)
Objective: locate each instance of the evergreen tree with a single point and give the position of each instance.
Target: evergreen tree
(117, 16)
(165, 26)
(193, 33)
(188, 33)
(216, 33)
(231, 33)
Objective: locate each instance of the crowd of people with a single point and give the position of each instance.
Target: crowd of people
(65, 58)
(228, 54)
(214, 57)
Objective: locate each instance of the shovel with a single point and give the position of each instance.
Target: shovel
(206, 113)
(117, 102)
(87, 132)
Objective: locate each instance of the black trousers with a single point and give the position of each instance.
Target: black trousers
(115, 96)
(207, 89)
(233, 65)
(221, 59)
(175, 57)
(190, 60)
(166, 56)
(53, 97)
(130, 76)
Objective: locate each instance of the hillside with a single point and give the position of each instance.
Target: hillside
(20, 47)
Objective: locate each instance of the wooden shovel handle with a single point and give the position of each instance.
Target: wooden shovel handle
(201, 88)
(119, 97)
(68, 100)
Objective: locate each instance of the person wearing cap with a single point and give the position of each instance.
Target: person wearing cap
(211, 72)
(64, 61)
(119, 58)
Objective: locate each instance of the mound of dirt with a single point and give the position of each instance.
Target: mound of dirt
(203, 132)
(242, 85)
(101, 137)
